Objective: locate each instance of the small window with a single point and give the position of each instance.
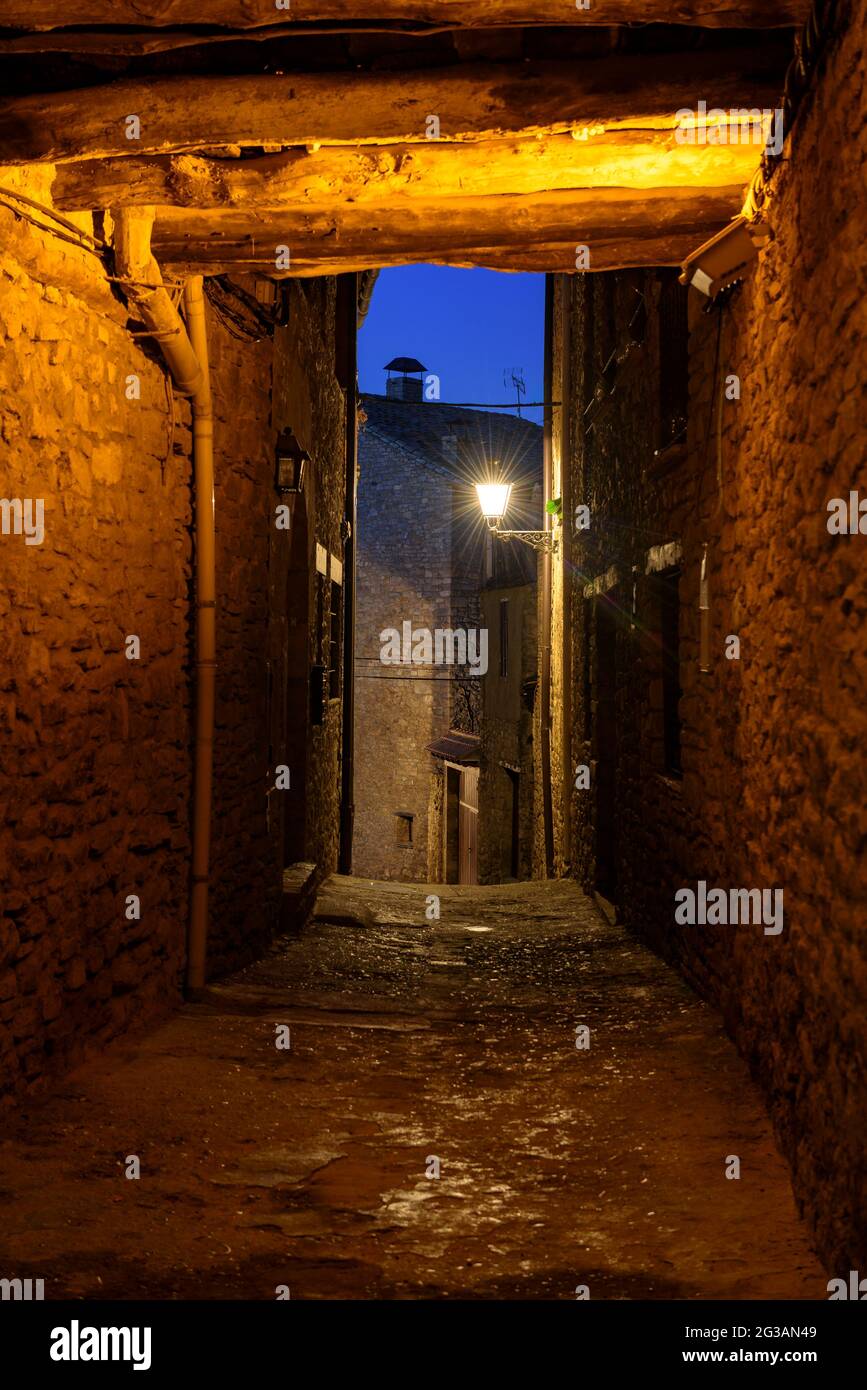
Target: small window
(504, 636)
(403, 828)
(265, 291)
(319, 629)
(587, 670)
(669, 629)
(334, 643)
(318, 687)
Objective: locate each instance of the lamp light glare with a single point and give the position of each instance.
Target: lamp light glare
(493, 499)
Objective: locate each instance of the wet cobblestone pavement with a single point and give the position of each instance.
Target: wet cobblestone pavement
(410, 1039)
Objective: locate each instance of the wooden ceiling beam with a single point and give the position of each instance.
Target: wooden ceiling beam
(310, 109)
(335, 176)
(556, 258)
(471, 14)
(511, 229)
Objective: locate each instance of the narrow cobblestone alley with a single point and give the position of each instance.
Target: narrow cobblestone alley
(559, 1167)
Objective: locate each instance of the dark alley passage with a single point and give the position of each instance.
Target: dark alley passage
(433, 708)
(560, 1166)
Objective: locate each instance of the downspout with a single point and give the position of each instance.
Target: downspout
(143, 285)
(564, 395)
(352, 308)
(206, 637)
(187, 359)
(545, 595)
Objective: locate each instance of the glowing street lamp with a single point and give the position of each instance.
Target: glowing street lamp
(494, 498)
(494, 501)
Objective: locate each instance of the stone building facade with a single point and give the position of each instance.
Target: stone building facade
(95, 778)
(709, 631)
(506, 755)
(423, 559)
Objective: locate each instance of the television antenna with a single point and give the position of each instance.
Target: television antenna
(516, 376)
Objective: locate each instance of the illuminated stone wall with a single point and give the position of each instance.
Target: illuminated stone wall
(95, 778)
(774, 786)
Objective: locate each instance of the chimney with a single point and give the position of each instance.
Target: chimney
(407, 385)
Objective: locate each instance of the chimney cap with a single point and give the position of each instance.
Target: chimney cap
(404, 364)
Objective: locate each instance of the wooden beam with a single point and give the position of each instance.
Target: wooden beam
(335, 176)
(471, 14)
(484, 102)
(556, 259)
(141, 43)
(512, 229)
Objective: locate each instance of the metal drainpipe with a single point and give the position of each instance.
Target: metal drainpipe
(347, 801)
(564, 395)
(545, 596)
(145, 291)
(187, 358)
(206, 638)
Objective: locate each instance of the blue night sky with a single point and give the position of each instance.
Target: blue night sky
(467, 326)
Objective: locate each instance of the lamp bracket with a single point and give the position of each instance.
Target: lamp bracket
(539, 540)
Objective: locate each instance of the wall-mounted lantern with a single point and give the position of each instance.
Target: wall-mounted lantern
(291, 462)
(494, 501)
(494, 495)
(725, 257)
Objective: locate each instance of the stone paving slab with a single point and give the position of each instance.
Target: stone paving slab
(410, 1040)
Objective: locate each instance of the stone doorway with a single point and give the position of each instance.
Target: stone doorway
(468, 826)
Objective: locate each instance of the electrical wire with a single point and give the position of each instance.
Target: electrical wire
(466, 405)
(360, 675)
(170, 405)
(49, 212)
(21, 215)
(809, 48)
(249, 322)
(617, 356)
(715, 409)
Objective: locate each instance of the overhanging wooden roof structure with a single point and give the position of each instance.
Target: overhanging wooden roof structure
(467, 132)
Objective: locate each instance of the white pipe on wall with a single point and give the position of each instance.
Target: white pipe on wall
(206, 637)
(186, 353)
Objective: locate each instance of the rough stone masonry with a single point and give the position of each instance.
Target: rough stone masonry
(95, 778)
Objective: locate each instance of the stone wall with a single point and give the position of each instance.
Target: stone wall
(95, 778)
(244, 849)
(773, 780)
(507, 736)
(424, 555)
(95, 773)
(404, 574)
(309, 400)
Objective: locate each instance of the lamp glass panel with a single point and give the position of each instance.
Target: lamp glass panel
(493, 498)
(290, 472)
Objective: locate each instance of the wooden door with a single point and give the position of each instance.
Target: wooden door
(468, 826)
(606, 746)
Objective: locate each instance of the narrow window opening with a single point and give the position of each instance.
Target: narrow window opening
(587, 670)
(504, 636)
(669, 590)
(334, 643)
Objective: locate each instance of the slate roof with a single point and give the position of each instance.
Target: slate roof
(420, 430)
(421, 427)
